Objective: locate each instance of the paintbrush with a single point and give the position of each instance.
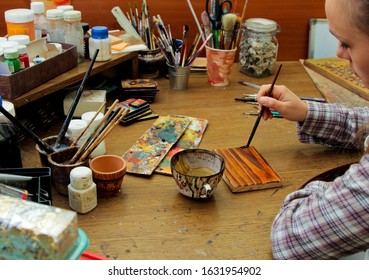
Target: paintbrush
(262, 109)
(75, 103)
(43, 145)
(196, 20)
(206, 22)
(228, 25)
(242, 19)
(184, 46)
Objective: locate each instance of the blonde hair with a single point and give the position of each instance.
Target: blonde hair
(358, 11)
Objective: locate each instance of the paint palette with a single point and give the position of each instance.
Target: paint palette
(149, 150)
(247, 170)
(338, 70)
(189, 140)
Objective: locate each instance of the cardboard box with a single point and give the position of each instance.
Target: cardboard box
(16, 84)
(91, 100)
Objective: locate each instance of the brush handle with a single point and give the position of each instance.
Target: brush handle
(73, 107)
(43, 145)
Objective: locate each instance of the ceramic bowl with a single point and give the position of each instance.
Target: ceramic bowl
(197, 172)
(108, 172)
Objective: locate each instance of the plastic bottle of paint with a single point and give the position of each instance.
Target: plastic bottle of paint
(55, 26)
(73, 32)
(76, 126)
(11, 57)
(100, 40)
(10, 152)
(40, 19)
(23, 56)
(82, 190)
(87, 117)
(20, 22)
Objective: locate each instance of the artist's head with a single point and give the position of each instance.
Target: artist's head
(349, 22)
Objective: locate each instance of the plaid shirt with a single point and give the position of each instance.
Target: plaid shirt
(327, 220)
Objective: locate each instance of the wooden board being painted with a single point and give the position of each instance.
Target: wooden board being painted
(247, 170)
(338, 70)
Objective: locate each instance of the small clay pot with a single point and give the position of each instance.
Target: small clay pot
(108, 172)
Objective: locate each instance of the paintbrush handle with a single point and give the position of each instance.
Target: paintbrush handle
(43, 145)
(262, 109)
(73, 107)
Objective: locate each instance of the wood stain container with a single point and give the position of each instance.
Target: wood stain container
(20, 22)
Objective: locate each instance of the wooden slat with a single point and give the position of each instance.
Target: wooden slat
(247, 170)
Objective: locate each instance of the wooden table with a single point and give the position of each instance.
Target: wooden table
(76, 75)
(149, 219)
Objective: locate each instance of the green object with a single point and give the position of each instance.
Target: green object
(11, 58)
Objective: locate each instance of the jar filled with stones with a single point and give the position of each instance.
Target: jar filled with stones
(258, 47)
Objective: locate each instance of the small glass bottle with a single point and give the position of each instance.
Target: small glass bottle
(40, 19)
(82, 191)
(100, 40)
(23, 56)
(73, 32)
(9, 139)
(86, 38)
(55, 26)
(258, 47)
(11, 57)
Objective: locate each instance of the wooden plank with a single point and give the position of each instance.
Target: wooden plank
(247, 170)
(339, 71)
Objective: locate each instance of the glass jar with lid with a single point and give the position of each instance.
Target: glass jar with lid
(258, 47)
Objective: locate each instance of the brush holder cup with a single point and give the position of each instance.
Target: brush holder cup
(151, 64)
(258, 47)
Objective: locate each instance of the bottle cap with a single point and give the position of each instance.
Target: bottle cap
(75, 127)
(11, 53)
(19, 15)
(72, 15)
(81, 177)
(8, 44)
(89, 115)
(65, 8)
(54, 14)
(38, 7)
(22, 49)
(261, 25)
(20, 39)
(99, 32)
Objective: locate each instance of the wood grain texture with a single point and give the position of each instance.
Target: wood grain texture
(247, 170)
(338, 70)
(292, 16)
(149, 219)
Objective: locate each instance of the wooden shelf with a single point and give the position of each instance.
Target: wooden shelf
(75, 75)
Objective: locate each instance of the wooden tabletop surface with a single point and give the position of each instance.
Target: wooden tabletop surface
(149, 219)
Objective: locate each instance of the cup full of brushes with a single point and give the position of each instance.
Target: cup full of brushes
(221, 50)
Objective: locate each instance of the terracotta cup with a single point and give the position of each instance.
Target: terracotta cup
(108, 172)
(219, 65)
(197, 172)
(60, 169)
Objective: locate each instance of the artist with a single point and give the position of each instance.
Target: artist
(328, 220)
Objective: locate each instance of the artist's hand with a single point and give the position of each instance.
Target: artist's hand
(284, 101)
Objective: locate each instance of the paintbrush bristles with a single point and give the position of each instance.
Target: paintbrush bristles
(228, 25)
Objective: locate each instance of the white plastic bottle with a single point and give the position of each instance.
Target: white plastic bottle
(73, 32)
(55, 26)
(100, 40)
(40, 19)
(82, 191)
(87, 117)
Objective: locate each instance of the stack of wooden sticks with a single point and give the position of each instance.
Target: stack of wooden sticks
(111, 118)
